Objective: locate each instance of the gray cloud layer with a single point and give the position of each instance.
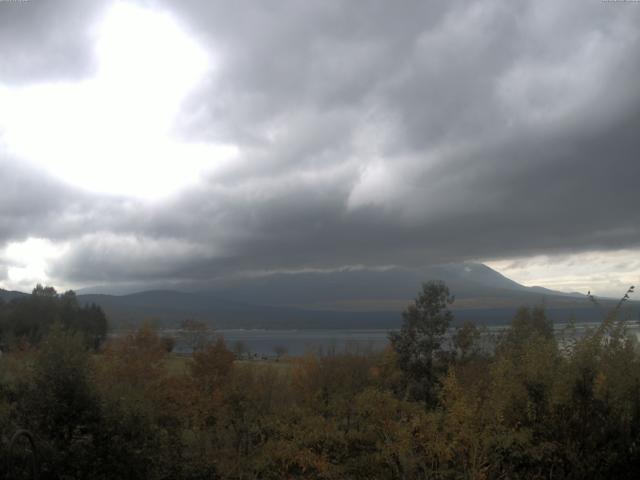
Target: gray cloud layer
(369, 134)
(45, 40)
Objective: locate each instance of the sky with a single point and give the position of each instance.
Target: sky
(158, 142)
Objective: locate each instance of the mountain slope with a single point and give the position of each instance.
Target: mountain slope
(354, 289)
(356, 298)
(8, 295)
(350, 298)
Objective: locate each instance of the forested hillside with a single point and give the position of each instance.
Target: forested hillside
(28, 318)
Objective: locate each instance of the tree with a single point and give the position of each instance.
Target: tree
(61, 404)
(30, 318)
(212, 364)
(240, 349)
(465, 341)
(527, 326)
(169, 343)
(280, 351)
(196, 335)
(44, 292)
(419, 340)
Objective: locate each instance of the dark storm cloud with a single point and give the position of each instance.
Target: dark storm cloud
(4, 270)
(34, 204)
(44, 40)
(375, 134)
(29, 201)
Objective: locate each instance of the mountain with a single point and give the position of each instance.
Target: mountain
(8, 295)
(353, 289)
(168, 308)
(349, 298)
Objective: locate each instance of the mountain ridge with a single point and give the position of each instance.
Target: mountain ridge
(359, 298)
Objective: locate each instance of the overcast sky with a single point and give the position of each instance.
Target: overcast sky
(149, 142)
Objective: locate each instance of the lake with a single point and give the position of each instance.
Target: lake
(296, 342)
(264, 343)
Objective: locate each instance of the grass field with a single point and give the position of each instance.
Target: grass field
(178, 364)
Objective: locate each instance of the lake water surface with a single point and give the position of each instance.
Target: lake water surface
(298, 342)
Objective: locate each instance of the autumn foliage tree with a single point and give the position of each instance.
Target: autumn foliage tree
(212, 364)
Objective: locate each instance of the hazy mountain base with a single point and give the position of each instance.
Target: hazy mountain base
(169, 308)
(344, 299)
(350, 298)
(467, 279)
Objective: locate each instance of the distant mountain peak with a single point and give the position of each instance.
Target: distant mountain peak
(8, 295)
(483, 275)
